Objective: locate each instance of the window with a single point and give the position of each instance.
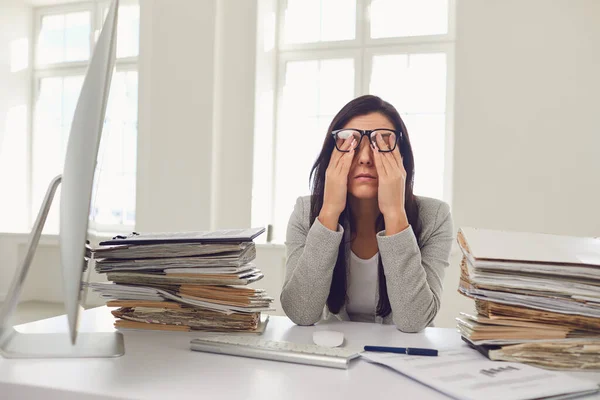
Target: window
(65, 38)
(331, 51)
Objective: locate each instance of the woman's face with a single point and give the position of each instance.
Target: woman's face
(362, 177)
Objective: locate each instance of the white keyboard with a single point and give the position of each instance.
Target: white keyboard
(249, 346)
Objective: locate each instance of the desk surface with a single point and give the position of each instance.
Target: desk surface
(159, 365)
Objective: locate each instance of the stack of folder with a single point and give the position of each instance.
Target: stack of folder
(183, 281)
(537, 297)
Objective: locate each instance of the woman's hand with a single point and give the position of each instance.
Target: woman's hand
(392, 185)
(336, 184)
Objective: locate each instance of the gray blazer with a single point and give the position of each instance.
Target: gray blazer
(414, 274)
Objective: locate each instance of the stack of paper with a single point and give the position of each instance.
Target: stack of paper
(537, 297)
(183, 281)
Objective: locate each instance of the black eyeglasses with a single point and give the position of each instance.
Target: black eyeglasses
(390, 138)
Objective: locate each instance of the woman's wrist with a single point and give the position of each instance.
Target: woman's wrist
(329, 219)
(395, 223)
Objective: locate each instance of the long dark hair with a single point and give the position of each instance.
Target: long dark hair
(361, 106)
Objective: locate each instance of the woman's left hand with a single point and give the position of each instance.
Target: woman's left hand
(392, 185)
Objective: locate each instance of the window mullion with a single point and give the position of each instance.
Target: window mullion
(366, 65)
(363, 21)
(364, 59)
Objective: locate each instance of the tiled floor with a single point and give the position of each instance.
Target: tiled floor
(35, 310)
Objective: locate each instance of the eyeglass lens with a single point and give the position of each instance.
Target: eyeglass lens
(388, 138)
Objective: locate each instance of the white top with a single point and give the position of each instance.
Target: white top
(158, 364)
(362, 288)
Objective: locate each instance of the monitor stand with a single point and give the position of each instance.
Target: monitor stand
(14, 344)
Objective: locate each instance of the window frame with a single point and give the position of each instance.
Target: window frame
(63, 69)
(362, 49)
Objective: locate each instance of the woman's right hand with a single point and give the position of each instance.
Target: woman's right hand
(336, 184)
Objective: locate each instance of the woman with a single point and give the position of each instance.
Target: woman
(363, 247)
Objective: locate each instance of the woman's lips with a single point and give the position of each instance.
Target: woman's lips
(365, 178)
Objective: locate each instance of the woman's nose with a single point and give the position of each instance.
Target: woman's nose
(364, 153)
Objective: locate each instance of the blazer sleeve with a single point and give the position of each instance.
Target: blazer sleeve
(311, 254)
(414, 275)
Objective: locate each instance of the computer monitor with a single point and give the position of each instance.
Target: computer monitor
(77, 182)
(80, 165)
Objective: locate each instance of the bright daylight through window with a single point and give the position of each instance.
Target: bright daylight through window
(65, 39)
(330, 51)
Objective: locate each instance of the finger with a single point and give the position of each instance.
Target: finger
(346, 162)
(378, 162)
(347, 157)
(380, 142)
(348, 154)
(348, 145)
(333, 159)
(388, 161)
(337, 155)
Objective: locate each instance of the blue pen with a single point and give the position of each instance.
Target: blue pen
(413, 351)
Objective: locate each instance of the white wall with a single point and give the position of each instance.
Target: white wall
(526, 140)
(176, 112)
(44, 279)
(526, 134)
(527, 153)
(234, 118)
(196, 114)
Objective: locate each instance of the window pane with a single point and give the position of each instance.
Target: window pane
(77, 36)
(64, 38)
(313, 93)
(336, 85)
(53, 116)
(114, 196)
(401, 18)
(128, 30)
(51, 41)
(71, 88)
(309, 21)
(416, 85)
(108, 201)
(427, 138)
(117, 158)
(128, 44)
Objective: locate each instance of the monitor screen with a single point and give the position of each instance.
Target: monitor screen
(80, 165)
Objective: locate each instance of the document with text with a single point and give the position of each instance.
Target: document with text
(463, 373)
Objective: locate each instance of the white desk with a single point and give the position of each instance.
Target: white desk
(159, 365)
